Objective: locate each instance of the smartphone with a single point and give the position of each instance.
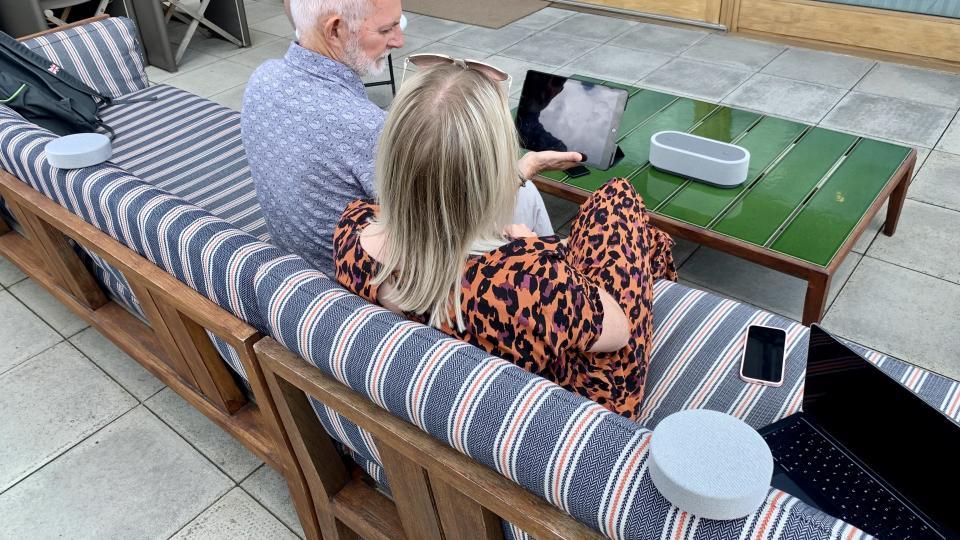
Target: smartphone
(577, 171)
(763, 356)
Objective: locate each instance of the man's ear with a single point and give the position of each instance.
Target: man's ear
(334, 29)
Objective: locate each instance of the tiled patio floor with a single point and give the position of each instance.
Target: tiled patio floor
(91, 445)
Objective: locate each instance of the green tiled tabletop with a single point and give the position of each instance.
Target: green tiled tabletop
(807, 188)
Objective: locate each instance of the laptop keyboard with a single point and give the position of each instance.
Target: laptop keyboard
(855, 497)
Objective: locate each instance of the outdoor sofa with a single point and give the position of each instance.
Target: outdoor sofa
(452, 440)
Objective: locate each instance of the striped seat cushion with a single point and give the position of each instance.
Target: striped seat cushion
(191, 147)
(106, 55)
(697, 343)
(574, 453)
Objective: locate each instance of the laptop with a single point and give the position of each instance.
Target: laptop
(867, 450)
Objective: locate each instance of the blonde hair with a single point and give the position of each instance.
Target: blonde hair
(447, 182)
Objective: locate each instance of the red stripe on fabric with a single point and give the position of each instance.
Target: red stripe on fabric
(953, 408)
(517, 419)
(469, 397)
(766, 518)
(426, 369)
(566, 450)
(680, 523)
(680, 362)
(618, 493)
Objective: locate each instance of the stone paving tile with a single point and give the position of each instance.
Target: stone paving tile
(560, 210)
(902, 313)
(455, 51)
(489, 40)
(682, 250)
(951, 138)
(278, 25)
(517, 70)
(549, 48)
(269, 488)
(938, 181)
(133, 377)
(212, 441)
(232, 98)
(54, 313)
(889, 118)
(695, 79)
(926, 241)
(763, 287)
(659, 39)
(9, 273)
(870, 233)
(593, 27)
(734, 51)
(432, 27)
(48, 404)
(913, 84)
(410, 44)
(212, 79)
(258, 55)
(235, 516)
(617, 64)
(222, 48)
(797, 100)
(135, 478)
(831, 69)
(22, 333)
(261, 11)
(544, 18)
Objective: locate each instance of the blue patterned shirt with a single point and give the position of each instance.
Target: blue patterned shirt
(310, 134)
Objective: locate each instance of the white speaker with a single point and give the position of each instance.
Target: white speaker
(78, 150)
(699, 158)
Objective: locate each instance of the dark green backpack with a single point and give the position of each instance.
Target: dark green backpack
(43, 93)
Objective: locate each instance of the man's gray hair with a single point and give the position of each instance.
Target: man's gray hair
(306, 13)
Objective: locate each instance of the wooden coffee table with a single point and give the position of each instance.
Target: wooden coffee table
(809, 195)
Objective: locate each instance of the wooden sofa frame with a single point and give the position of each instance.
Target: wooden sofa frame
(173, 344)
(438, 493)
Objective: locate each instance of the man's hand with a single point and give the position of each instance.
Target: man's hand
(533, 163)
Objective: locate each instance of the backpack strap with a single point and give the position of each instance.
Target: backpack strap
(52, 68)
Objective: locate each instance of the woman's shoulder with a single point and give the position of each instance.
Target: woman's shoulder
(359, 212)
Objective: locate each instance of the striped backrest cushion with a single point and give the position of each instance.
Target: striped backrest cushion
(104, 54)
(203, 251)
(697, 343)
(572, 452)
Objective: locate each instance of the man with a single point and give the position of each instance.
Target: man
(310, 132)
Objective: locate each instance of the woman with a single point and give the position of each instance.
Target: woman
(439, 248)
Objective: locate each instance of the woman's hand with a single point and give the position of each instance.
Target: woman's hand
(533, 163)
(518, 230)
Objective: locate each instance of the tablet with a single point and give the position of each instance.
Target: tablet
(558, 113)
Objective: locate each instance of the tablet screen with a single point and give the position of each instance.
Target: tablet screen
(557, 113)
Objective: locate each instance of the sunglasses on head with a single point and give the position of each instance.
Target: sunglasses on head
(426, 60)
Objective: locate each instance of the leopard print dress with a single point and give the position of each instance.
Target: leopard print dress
(536, 302)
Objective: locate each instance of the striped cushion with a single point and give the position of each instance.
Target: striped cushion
(572, 452)
(191, 147)
(105, 54)
(698, 339)
(202, 250)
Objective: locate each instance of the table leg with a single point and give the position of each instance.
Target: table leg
(818, 287)
(895, 204)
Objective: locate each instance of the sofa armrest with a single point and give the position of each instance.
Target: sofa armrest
(104, 52)
(49, 31)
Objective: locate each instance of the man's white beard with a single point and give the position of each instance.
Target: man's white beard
(360, 63)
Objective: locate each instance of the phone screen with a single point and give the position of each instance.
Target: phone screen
(763, 357)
